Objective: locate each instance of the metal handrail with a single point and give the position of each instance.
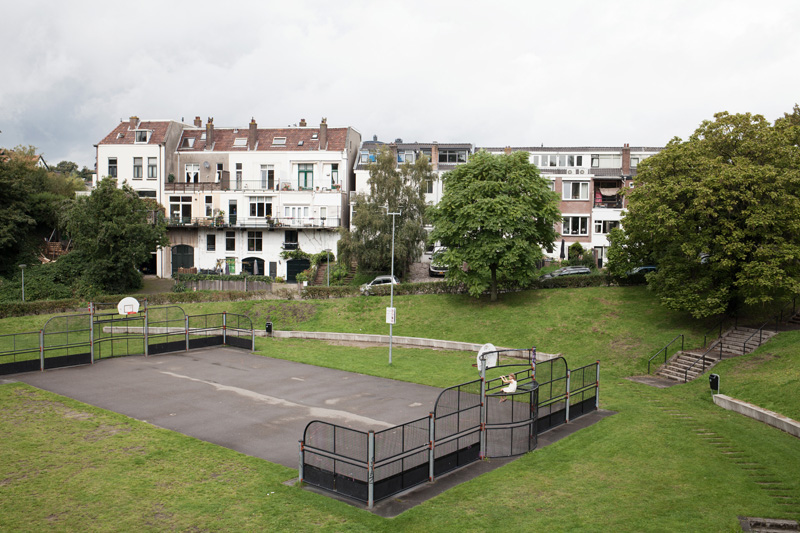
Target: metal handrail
(717, 325)
(702, 358)
(664, 349)
(778, 318)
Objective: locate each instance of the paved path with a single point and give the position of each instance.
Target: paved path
(246, 402)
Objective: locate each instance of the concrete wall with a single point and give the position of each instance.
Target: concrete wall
(779, 421)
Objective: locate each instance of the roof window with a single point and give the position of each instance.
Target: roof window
(240, 142)
(279, 141)
(188, 142)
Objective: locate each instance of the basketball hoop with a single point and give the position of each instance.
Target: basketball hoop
(487, 357)
(128, 306)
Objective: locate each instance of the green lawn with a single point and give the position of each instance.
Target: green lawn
(670, 460)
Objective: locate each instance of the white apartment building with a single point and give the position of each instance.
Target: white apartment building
(235, 199)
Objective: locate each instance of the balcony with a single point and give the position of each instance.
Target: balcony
(613, 202)
(254, 222)
(278, 186)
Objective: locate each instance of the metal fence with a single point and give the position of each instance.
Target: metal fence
(470, 421)
(99, 334)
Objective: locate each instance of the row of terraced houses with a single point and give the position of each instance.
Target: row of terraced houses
(236, 198)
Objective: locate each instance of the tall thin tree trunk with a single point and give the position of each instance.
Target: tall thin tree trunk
(494, 283)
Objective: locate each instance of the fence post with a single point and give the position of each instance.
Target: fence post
(91, 332)
(597, 388)
(431, 445)
(302, 460)
(186, 321)
(224, 326)
(484, 406)
(41, 350)
(370, 469)
(146, 330)
(568, 377)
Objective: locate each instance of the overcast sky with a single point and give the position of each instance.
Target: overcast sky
(568, 73)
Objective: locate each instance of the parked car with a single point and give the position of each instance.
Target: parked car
(366, 289)
(436, 267)
(641, 270)
(567, 271)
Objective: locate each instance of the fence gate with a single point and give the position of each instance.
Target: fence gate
(457, 427)
(118, 335)
(66, 341)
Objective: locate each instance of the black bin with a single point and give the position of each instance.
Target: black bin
(268, 328)
(713, 381)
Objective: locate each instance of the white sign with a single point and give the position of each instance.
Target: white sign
(391, 315)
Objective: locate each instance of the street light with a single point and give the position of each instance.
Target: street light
(23, 281)
(391, 312)
(328, 268)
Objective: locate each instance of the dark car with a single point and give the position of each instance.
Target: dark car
(642, 270)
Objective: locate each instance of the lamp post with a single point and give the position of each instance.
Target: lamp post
(23, 281)
(391, 315)
(328, 267)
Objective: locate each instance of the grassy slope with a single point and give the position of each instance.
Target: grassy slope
(668, 461)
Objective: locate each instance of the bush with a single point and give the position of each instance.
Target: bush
(595, 279)
(321, 292)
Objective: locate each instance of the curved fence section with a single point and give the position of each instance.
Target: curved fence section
(473, 420)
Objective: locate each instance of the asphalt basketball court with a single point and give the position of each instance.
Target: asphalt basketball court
(260, 406)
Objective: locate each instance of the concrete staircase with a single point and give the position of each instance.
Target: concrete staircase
(688, 364)
(322, 275)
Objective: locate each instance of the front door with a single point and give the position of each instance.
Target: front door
(182, 257)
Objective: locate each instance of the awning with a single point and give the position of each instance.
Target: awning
(609, 191)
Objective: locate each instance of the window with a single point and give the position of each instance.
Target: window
(152, 168)
(188, 142)
(634, 162)
(267, 177)
(576, 190)
(290, 239)
(305, 176)
(406, 156)
(209, 206)
(238, 175)
(605, 226)
(253, 241)
(211, 242)
(295, 214)
(141, 136)
(426, 152)
(452, 156)
(606, 161)
(429, 186)
(278, 141)
(551, 185)
(137, 168)
(240, 142)
(192, 172)
(230, 241)
(260, 206)
(219, 172)
(576, 226)
(180, 209)
(146, 194)
(112, 167)
(323, 213)
(334, 174)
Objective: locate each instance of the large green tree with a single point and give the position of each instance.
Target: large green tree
(115, 231)
(719, 214)
(496, 215)
(401, 189)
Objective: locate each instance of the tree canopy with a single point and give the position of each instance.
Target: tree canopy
(719, 214)
(495, 216)
(115, 231)
(401, 189)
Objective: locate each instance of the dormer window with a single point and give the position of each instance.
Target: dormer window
(120, 135)
(240, 142)
(300, 143)
(142, 136)
(315, 135)
(203, 136)
(188, 142)
(278, 141)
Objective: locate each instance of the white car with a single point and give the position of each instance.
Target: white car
(380, 280)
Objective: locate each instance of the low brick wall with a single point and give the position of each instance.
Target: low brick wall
(779, 421)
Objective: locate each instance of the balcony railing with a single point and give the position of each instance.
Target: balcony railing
(254, 222)
(609, 204)
(278, 186)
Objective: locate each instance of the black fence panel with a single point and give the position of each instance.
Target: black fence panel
(167, 347)
(15, 367)
(457, 452)
(205, 341)
(19, 352)
(239, 342)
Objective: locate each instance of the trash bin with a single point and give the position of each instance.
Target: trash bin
(713, 381)
(268, 328)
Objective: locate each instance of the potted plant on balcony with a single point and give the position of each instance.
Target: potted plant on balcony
(219, 217)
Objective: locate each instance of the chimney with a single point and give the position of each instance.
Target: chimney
(134, 122)
(323, 134)
(210, 133)
(252, 135)
(435, 156)
(507, 150)
(303, 123)
(198, 123)
(626, 160)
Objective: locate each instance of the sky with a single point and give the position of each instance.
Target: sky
(528, 73)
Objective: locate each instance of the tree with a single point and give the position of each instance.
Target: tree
(66, 167)
(17, 175)
(401, 189)
(496, 215)
(719, 214)
(115, 231)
